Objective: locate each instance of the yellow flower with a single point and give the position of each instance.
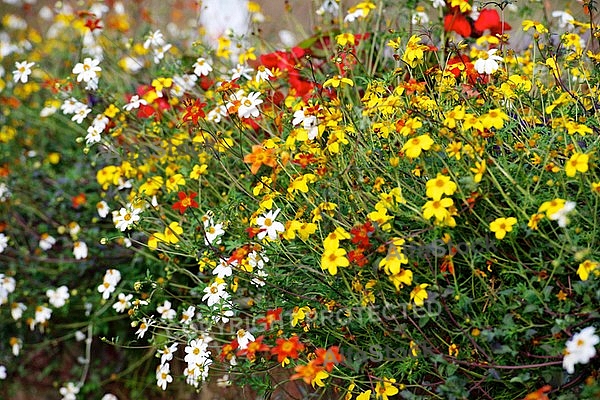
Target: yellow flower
(364, 395)
(479, 170)
(337, 80)
(528, 24)
(299, 314)
(494, 119)
(441, 185)
(534, 221)
(413, 55)
(392, 263)
(385, 388)
(318, 379)
(404, 277)
(458, 113)
(577, 162)
(585, 268)
(419, 294)
(344, 39)
(415, 146)
(198, 170)
(552, 207)
(437, 209)
(173, 182)
(500, 226)
(333, 257)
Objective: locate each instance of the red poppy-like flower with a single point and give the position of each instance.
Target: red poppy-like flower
(93, 24)
(457, 22)
(490, 19)
(185, 201)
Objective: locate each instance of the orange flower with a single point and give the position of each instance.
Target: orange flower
(253, 348)
(78, 200)
(307, 372)
(329, 358)
(260, 156)
(287, 348)
(270, 317)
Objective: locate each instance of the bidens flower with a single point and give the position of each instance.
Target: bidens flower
(580, 348)
(488, 64)
(500, 226)
(268, 226)
(22, 71)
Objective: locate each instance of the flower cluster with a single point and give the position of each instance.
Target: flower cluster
(376, 212)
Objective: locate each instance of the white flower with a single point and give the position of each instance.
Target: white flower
(103, 209)
(46, 241)
(4, 195)
(144, 325)
(80, 250)
(134, 102)
(224, 268)
(16, 346)
(154, 39)
(214, 293)
(564, 18)
(16, 310)
(196, 352)
(58, 297)
(187, 315)
(93, 135)
(106, 288)
(42, 314)
(438, 3)
(240, 71)
(163, 377)
(22, 71)
(561, 215)
(329, 6)
(212, 232)
(3, 242)
(263, 74)
(580, 348)
(166, 354)
(113, 276)
(202, 67)
(123, 302)
(87, 70)
(244, 337)
(268, 226)
(81, 113)
(70, 106)
(489, 63)
(125, 218)
(186, 81)
(165, 311)
(309, 122)
(159, 53)
(109, 396)
(225, 312)
(420, 18)
(2, 372)
(69, 391)
(249, 106)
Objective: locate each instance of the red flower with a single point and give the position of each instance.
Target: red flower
(253, 348)
(490, 19)
(357, 257)
(227, 350)
(361, 233)
(287, 348)
(78, 201)
(270, 317)
(328, 358)
(193, 110)
(458, 23)
(93, 24)
(185, 201)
